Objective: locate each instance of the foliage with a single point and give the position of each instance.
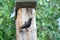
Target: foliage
(7, 26)
(47, 13)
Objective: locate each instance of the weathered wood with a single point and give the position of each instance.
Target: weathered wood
(25, 5)
(23, 15)
(26, 0)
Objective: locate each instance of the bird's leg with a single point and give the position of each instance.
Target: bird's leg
(21, 30)
(27, 29)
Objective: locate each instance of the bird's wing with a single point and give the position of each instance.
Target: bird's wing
(25, 24)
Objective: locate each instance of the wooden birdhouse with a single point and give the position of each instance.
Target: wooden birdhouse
(26, 4)
(25, 9)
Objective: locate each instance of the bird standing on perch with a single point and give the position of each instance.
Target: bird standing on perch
(27, 24)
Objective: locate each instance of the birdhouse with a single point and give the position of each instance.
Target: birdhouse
(26, 4)
(25, 13)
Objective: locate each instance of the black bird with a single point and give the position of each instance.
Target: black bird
(27, 24)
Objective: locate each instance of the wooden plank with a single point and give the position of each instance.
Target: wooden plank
(26, 0)
(25, 5)
(23, 15)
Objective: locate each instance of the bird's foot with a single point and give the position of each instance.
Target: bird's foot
(21, 31)
(27, 30)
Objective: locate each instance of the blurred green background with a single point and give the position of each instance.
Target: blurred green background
(47, 20)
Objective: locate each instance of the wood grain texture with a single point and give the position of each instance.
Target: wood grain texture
(23, 15)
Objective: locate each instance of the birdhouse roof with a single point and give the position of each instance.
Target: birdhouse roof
(26, 0)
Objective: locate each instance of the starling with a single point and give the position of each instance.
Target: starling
(27, 24)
